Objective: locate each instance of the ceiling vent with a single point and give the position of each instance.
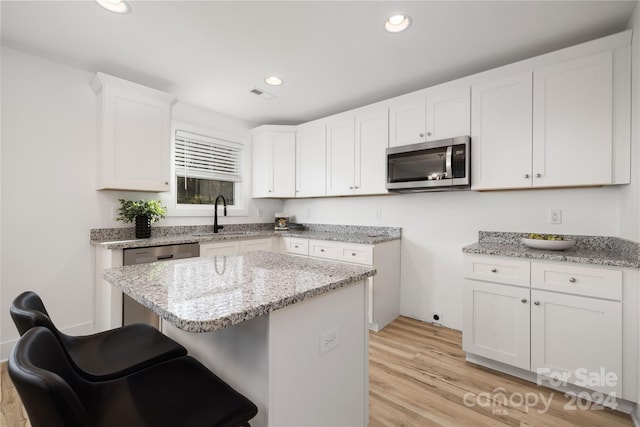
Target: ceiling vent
(262, 94)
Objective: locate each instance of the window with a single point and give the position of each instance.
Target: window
(206, 167)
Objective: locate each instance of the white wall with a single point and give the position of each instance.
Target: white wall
(49, 201)
(435, 227)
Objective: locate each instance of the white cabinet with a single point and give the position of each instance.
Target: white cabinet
(311, 160)
(407, 120)
(134, 142)
(430, 115)
(501, 133)
(274, 162)
(340, 155)
(371, 142)
(356, 156)
(555, 320)
(496, 322)
(548, 128)
(572, 122)
(448, 113)
(577, 336)
(383, 289)
(232, 247)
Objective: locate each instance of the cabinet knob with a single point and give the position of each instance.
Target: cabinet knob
(538, 175)
(295, 246)
(536, 302)
(270, 191)
(526, 175)
(351, 187)
(421, 135)
(353, 254)
(523, 300)
(572, 279)
(166, 183)
(321, 250)
(494, 270)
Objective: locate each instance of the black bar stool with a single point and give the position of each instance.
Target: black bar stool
(177, 392)
(105, 355)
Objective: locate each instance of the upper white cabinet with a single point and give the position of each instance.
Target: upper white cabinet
(356, 156)
(340, 155)
(448, 113)
(572, 131)
(274, 162)
(372, 140)
(134, 142)
(430, 115)
(551, 127)
(407, 120)
(501, 133)
(311, 160)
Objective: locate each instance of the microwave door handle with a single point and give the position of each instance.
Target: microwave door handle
(448, 172)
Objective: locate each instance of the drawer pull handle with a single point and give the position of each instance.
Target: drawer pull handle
(353, 254)
(295, 246)
(536, 302)
(321, 250)
(494, 270)
(523, 300)
(572, 280)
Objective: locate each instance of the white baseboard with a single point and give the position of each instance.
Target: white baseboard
(80, 329)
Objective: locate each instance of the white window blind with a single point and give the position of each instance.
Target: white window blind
(200, 156)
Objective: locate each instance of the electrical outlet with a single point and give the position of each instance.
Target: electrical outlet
(259, 212)
(378, 213)
(328, 341)
(555, 216)
(436, 318)
(114, 212)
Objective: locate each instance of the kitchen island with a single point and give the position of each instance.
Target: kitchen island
(290, 333)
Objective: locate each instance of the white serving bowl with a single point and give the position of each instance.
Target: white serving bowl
(553, 245)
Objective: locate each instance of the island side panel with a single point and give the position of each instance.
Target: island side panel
(311, 388)
(237, 354)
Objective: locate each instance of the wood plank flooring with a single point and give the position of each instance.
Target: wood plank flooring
(418, 378)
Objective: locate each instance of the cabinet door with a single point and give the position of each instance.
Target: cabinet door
(134, 141)
(219, 248)
(274, 164)
(501, 134)
(578, 337)
(262, 161)
(340, 157)
(284, 164)
(407, 121)
(372, 140)
(572, 122)
(311, 161)
(448, 114)
(496, 322)
(256, 245)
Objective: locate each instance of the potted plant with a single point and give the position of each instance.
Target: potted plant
(144, 213)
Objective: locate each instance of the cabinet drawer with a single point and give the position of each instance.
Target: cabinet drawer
(585, 281)
(498, 270)
(256, 245)
(355, 253)
(296, 246)
(323, 249)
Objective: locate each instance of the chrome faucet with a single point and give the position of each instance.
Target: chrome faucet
(217, 227)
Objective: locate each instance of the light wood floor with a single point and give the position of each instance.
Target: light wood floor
(419, 378)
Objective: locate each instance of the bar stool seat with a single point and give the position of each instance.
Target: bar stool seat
(176, 392)
(105, 355)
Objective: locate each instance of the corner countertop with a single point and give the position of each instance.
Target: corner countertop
(594, 250)
(122, 238)
(206, 294)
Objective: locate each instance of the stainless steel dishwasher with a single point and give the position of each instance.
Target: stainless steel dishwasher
(133, 311)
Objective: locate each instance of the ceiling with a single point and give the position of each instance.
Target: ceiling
(332, 55)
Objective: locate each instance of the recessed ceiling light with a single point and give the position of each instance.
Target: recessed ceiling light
(117, 6)
(397, 23)
(273, 80)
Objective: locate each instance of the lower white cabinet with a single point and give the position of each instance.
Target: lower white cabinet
(573, 324)
(231, 247)
(383, 288)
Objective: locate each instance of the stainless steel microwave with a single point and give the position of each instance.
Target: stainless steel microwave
(430, 166)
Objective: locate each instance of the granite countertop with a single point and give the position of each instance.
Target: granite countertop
(123, 238)
(206, 294)
(595, 250)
